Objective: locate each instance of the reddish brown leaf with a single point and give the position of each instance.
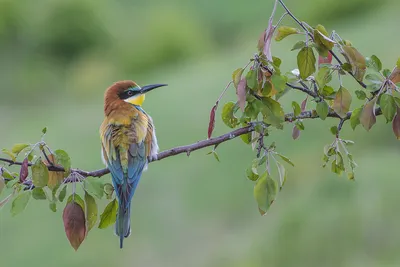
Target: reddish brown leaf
(325, 60)
(304, 104)
(395, 75)
(55, 178)
(295, 132)
(264, 43)
(211, 124)
(241, 93)
(261, 41)
(396, 124)
(23, 173)
(74, 224)
(342, 102)
(367, 116)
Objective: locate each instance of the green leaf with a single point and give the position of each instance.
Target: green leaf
(338, 165)
(374, 63)
(63, 193)
(2, 184)
(236, 76)
(296, 108)
(64, 160)
(334, 130)
(246, 138)
(306, 62)
(323, 42)
(282, 174)
(12, 183)
(252, 173)
(374, 78)
(6, 174)
(355, 118)
(5, 200)
(324, 76)
(322, 109)
(227, 115)
(77, 199)
(108, 190)
(44, 130)
(327, 92)
(251, 78)
(272, 112)
(367, 116)
(38, 193)
(388, 106)
(17, 148)
(109, 214)
(346, 67)
(262, 160)
(342, 102)
(53, 206)
(265, 191)
(356, 60)
(299, 125)
(91, 211)
(298, 45)
(279, 82)
(361, 94)
(386, 72)
(276, 61)
(285, 31)
(94, 187)
(215, 155)
(40, 174)
(286, 159)
(8, 153)
(20, 202)
(267, 88)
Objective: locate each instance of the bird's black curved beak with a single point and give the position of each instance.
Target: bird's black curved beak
(150, 87)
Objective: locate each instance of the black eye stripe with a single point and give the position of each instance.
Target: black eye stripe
(127, 94)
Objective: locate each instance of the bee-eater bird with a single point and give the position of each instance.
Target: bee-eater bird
(128, 141)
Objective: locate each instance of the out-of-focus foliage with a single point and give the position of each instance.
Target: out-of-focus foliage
(193, 212)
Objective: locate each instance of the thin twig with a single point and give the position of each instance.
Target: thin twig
(305, 90)
(223, 93)
(301, 24)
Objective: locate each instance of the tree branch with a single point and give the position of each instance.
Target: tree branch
(289, 117)
(312, 37)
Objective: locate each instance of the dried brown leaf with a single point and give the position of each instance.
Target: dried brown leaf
(367, 116)
(211, 123)
(396, 124)
(241, 93)
(23, 173)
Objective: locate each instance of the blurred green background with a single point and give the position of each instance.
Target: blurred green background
(58, 57)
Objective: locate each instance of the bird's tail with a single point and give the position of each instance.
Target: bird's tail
(123, 223)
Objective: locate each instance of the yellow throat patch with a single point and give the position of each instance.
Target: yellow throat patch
(136, 100)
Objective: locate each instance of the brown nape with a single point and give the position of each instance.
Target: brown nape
(111, 98)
